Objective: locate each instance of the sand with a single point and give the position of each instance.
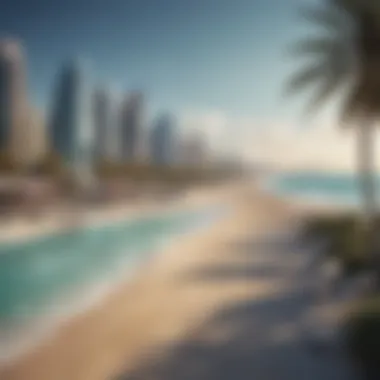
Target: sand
(174, 298)
(21, 227)
(156, 307)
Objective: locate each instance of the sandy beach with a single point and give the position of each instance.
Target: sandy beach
(22, 227)
(186, 312)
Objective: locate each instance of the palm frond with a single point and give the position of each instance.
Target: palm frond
(333, 67)
(315, 46)
(326, 89)
(304, 78)
(329, 18)
(347, 57)
(354, 7)
(359, 12)
(352, 107)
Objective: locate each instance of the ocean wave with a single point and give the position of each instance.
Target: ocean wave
(33, 322)
(336, 189)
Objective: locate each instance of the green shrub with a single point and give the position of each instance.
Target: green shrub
(345, 240)
(362, 332)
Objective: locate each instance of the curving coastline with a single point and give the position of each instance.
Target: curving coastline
(19, 337)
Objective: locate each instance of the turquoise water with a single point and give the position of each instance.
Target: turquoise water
(34, 275)
(320, 187)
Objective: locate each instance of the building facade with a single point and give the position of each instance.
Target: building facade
(13, 98)
(71, 125)
(163, 141)
(193, 150)
(36, 138)
(131, 116)
(103, 125)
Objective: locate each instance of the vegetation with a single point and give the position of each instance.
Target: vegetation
(51, 165)
(345, 241)
(345, 59)
(363, 337)
(143, 172)
(7, 166)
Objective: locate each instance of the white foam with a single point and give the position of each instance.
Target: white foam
(22, 336)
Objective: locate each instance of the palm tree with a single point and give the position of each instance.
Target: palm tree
(344, 59)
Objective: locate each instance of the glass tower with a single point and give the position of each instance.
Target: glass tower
(71, 124)
(131, 126)
(13, 97)
(162, 140)
(103, 124)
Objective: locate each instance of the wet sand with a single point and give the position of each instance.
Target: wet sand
(24, 227)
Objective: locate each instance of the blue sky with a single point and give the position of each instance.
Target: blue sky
(216, 64)
(199, 54)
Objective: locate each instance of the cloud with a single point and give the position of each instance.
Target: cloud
(212, 124)
(324, 147)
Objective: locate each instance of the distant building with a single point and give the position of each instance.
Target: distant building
(131, 126)
(193, 150)
(103, 124)
(13, 98)
(35, 137)
(163, 141)
(71, 124)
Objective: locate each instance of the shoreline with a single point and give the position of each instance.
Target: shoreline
(24, 229)
(125, 326)
(130, 320)
(306, 204)
(88, 296)
(41, 328)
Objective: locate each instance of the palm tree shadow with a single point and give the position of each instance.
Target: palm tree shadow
(253, 259)
(250, 339)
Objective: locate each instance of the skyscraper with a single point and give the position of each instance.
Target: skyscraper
(13, 98)
(35, 138)
(130, 126)
(103, 124)
(193, 149)
(163, 140)
(71, 124)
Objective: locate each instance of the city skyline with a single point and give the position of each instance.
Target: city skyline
(233, 63)
(84, 126)
(222, 75)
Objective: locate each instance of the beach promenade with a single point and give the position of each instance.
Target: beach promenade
(228, 303)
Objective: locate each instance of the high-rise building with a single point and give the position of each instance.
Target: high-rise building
(131, 126)
(103, 124)
(71, 124)
(13, 98)
(163, 140)
(193, 149)
(35, 139)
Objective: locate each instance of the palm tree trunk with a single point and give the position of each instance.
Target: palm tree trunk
(366, 171)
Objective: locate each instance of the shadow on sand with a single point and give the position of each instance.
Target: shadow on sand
(255, 339)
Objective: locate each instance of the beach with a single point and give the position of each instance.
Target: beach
(70, 216)
(139, 330)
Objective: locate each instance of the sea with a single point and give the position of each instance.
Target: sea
(46, 280)
(342, 189)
